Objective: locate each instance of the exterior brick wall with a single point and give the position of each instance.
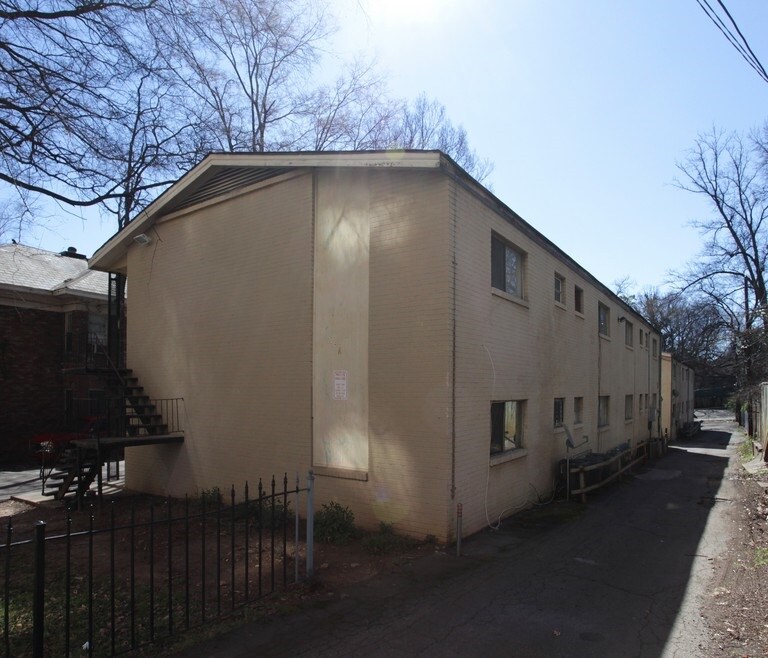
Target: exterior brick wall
(31, 381)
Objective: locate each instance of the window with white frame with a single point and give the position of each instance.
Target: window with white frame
(578, 410)
(506, 426)
(604, 319)
(629, 407)
(603, 410)
(506, 267)
(559, 289)
(559, 412)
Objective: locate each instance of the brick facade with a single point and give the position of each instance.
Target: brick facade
(31, 379)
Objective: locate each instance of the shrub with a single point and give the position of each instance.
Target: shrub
(335, 524)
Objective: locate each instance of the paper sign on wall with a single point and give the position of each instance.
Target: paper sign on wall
(340, 384)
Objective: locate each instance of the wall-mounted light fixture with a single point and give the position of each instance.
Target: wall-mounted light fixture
(142, 239)
(622, 319)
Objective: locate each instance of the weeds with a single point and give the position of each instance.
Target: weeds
(335, 524)
(761, 557)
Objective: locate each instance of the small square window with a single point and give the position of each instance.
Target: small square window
(578, 299)
(506, 426)
(604, 319)
(629, 407)
(603, 410)
(506, 267)
(578, 411)
(559, 289)
(559, 415)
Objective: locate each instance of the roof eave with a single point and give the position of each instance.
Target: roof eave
(110, 257)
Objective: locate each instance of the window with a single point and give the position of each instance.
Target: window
(578, 411)
(629, 333)
(559, 417)
(653, 404)
(629, 407)
(604, 319)
(603, 410)
(506, 426)
(97, 330)
(640, 336)
(506, 267)
(655, 347)
(559, 289)
(578, 299)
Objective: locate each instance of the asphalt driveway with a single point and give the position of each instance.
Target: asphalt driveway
(624, 575)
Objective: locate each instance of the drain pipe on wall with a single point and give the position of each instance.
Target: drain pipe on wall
(459, 514)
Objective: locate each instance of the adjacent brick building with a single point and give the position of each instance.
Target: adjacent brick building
(382, 319)
(51, 308)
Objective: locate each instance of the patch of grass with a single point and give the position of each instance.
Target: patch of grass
(386, 540)
(761, 557)
(745, 451)
(335, 524)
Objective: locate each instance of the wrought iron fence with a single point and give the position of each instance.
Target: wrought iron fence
(153, 573)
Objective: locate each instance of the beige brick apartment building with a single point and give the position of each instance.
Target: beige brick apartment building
(382, 319)
(677, 406)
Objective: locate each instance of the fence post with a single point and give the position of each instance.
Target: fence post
(310, 525)
(38, 601)
(295, 534)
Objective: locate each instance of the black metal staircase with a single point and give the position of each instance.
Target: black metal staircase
(132, 418)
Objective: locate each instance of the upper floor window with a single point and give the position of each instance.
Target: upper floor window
(604, 319)
(578, 299)
(629, 333)
(559, 288)
(640, 336)
(655, 348)
(506, 267)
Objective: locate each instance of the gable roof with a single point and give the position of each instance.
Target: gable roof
(221, 173)
(26, 269)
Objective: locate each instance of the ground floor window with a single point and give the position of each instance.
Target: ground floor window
(603, 410)
(559, 416)
(506, 425)
(578, 410)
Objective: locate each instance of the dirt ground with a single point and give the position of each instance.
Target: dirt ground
(737, 611)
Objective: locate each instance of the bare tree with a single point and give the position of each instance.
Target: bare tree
(61, 63)
(730, 273)
(724, 169)
(246, 65)
(425, 125)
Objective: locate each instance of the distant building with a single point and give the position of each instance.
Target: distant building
(382, 319)
(677, 385)
(53, 324)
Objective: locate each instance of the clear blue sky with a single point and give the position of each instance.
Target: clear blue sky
(584, 107)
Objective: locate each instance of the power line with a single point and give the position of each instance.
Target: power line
(738, 40)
